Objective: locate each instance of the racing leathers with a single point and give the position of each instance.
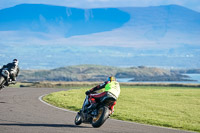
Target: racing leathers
(13, 70)
(112, 88)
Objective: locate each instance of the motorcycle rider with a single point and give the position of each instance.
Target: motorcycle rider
(112, 88)
(13, 69)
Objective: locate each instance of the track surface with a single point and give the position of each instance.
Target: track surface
(22, 112)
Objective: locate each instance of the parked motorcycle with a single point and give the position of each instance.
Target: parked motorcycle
(4, 77)
(98, 115)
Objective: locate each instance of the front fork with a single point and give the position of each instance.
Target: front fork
(86, 103)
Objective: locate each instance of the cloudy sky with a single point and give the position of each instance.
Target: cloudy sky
(192, 4)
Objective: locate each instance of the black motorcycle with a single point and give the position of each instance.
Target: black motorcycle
(98, 115)
(5, 78)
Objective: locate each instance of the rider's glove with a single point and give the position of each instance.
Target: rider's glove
(87, 92)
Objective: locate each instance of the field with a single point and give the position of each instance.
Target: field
(168, 106)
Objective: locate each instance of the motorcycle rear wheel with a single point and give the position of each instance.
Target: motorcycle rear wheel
(103, 114)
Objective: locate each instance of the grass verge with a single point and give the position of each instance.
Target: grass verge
(176, 107)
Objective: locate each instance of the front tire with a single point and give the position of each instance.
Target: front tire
(2, 82)
(78, 119)
(103, 114)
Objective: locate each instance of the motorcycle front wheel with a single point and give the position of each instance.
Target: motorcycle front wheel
(103, 114)
(78, 119)
(2, 82)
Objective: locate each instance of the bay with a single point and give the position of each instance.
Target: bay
(195, 77)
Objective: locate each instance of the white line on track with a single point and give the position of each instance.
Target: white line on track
(40, 98)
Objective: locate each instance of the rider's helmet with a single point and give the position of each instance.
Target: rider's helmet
(111, 78)
(15, 62)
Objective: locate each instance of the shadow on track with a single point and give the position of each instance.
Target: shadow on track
(41, 125)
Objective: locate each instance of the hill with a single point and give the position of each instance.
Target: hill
(100, 73)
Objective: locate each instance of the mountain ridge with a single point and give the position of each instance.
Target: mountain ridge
(100, 73)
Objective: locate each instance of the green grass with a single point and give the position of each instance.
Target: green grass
(177, 107)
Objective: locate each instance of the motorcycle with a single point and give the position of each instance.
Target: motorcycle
(99, 114)
(4, 77)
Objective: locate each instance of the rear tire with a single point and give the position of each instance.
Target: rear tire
(78, 119)
(103, 115)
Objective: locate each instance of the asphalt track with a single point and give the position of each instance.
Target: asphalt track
(21, 111)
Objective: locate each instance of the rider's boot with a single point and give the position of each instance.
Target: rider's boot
(91, 107)
(12, 80)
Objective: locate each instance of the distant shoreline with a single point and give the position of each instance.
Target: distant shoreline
(99, 73)
(75, 84)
